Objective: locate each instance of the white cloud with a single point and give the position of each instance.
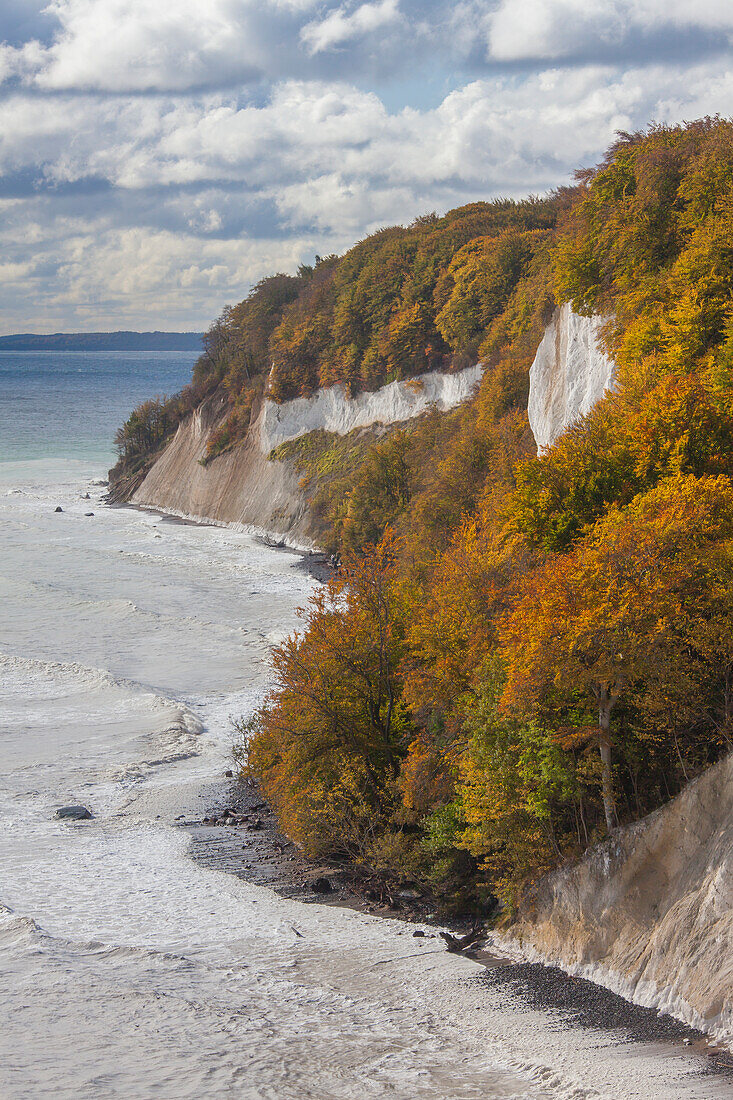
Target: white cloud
(15, 272)
(20, 61)
(124, 46)
(494, 133)
(552, 29)
(136, 208)
(341, 25)
(138, 45)
(107, 277)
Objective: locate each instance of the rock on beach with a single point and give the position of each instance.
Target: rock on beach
(74, 813)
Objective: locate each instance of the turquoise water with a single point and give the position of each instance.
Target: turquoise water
(68, 405)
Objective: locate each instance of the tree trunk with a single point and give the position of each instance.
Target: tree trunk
(605, 706)
(728, 703)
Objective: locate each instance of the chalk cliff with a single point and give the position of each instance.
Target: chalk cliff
(649, 912)
(569, 374)
(332, 411)
(244, 486)
(240, 487)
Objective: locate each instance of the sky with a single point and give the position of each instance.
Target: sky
(158, 158)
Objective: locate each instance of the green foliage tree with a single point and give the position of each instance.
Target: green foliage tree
(516, 789)
(380, 494)
(144, 431)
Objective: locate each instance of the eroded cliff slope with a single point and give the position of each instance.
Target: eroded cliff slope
(239, 487)
(649, 913)
(245, 486)
(570, 372)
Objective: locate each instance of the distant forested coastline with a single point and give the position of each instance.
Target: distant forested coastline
(102, 341)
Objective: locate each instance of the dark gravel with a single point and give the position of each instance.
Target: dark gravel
(316, 565)
(313, 562)
(581, 1003)
(257, 852)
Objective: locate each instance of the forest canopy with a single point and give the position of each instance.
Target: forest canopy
(520, 651)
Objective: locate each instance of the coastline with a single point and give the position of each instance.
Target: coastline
(257, 853)
(176, 969)
(311, 559)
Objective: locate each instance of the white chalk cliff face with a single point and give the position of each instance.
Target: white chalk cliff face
(331, 410)
(569, 374)
(243, 487)
(649, 912)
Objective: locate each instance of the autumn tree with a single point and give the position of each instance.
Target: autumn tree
(381, 491)
(144, 430)
(455, 615)
(482, 277)
(252, 322)
(547, 645)
(330, 736)
(648, 240)
(609, 618)
(624, 445)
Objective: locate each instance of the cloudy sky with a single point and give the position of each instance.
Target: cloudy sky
(158, 158)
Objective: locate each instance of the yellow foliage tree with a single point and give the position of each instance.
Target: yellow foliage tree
(453, 622)
(612, 616)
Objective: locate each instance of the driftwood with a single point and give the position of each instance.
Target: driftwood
(459, 944)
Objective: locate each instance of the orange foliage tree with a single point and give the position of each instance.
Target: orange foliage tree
(627, 608)
(327, 744)
(453, 625)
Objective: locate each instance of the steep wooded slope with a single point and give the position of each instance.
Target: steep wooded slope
(530, 651)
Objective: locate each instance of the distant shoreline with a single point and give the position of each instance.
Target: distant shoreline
(102, 341)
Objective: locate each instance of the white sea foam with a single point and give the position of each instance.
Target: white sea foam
(126, 970)
(229, 525)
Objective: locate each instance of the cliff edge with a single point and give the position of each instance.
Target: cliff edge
(240, 487)
(245, 486)
(649, 912)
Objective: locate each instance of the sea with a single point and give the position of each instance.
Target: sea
(128, 644)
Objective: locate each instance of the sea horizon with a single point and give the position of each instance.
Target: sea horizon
(69, 404)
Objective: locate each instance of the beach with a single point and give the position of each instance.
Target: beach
(131, 969)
